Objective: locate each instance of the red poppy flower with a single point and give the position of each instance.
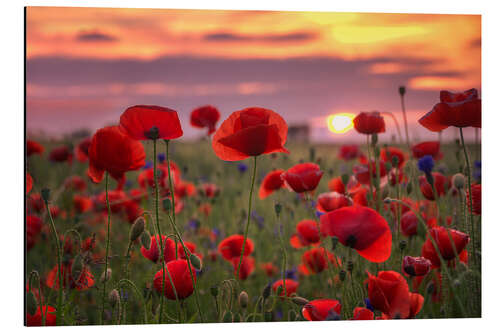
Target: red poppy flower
(113, 151)
(76, 183)
(33, 224)
(33, 147)
(138, 122)
(84, 281)
(361, 228)
(403, 208)
(82, 204)
(442, 238)
(307, 234)
(389, 293)
(247, 266)
(369, 123)
(82, 150)
(181, 278)
(36, 320)
(427, 148)
(401, 177)
(331, 201)
(416, 303)
(290, 285)
(317, 259)
(61, 154)
(362, 314)
(416, 266)
(250, 132)
(190, 246)
(146, 177)
(336, 185)
(231, 247)
(209, 190)
(29, 183)
(302, 177)
(269, 268)
(116, 198)
(360, 197)
(132, 210)
(184, 189)
(455, 109)
(321, 309)
(272, 182)
(205, 116)
(153, 253)
(348, 152)
(441, 184)
(88, 244)
(362, 172)
(476, 199)
(409, 224)
(387, 154)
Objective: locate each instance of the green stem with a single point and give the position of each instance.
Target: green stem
(174, 226)
(248, 217)
(59, 264)
(103, 297)
(403, 108)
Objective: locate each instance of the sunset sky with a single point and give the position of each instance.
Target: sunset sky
(86, 65)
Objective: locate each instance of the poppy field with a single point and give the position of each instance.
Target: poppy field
(134, 225)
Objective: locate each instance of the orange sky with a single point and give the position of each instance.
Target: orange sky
(431, 52)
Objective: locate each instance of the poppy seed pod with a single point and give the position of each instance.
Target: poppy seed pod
(243, 299)
(402, 90)
(137, 229)
(267, 291)
(342, 275)
(344, 178)
(106, 275)
(277, 209)
(214, 291)
(146, 239)
(113, 298)
(458, 180)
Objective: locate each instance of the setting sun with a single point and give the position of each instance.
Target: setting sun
(340, 122)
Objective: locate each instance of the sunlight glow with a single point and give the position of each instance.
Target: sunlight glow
(340, 122)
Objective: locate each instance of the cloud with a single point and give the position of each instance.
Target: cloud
(269, 38)
(95, 36)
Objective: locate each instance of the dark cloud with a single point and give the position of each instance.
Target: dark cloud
(95, 36)
(270, 38)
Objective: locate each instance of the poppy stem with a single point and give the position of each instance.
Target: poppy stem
(370, 168)
(59, 262)
(284, 255)
(178, 234)
(106, 277)
(248, 217)
(471, 216)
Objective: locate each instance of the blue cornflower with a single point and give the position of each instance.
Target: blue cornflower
(291, 273)
(194, 224)
(369, 305)
(257, 218)
(161, 157)
(148, 165)
(216, 231)
(318, 214)
(426, 164)
(242, 167)
(476, 173)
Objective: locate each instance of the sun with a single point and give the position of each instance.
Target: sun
(340, 122)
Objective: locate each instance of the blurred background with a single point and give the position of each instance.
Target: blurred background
(85, 66)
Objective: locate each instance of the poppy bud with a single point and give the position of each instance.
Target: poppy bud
(77, 268)
(277, 209)
(45, 194)
(228, 317)
(300, 301)
(236, 318)
(458, 180)
(195, 261)
(214, 291)
(402, 90)
(153, 133)
(335, 241)
(167, 204)
(106, 275)
(243, 299)
(136, 229)
(31, 303)
(342, 275)
(267, 291)
(292, 315)
(350, 266)
(345, 178)
(402, 245)
(388, 166)
(268, 316)
(113, 297)
(146, 239)
(409, 188)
